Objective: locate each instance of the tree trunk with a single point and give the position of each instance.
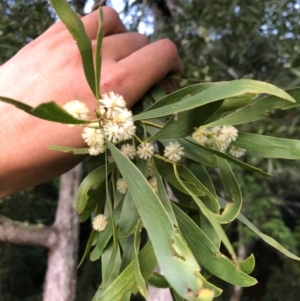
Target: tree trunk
(60, 281)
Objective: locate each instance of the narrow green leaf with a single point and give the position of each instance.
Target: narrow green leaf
(48, 111)
(229, 158)
(211, 217)
(91, 183)
(163, 196)
(269, 240)
(77, 30)
(208, 254)
(88, 246)
(111, 264)
(98, 54)
(129, 216)
(183, 124)
(180, 94)
(175, 259)
(232, 191)
(94, 200)
(126, 297)
(234, 103)
(269, 147)
(102, 241)
(215, 93)
(200, 172)
(128, 253)
(126, 281)
(209, 286)
(158, 280)
(259, 109)
(137, 272)
(295, 93)
(193, 151)
(187, 175)
(157, 93)
(165, 169)
(247, 265)
(66, 149)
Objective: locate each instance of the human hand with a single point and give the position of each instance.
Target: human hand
(50, 68)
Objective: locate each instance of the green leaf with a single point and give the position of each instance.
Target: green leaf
(209, 286)
(137, 272)
(183, 124)
(102, 241)
(88, 246)
(247, 265)
(128, 253)
(98, 54)
(129, 216)
(187, 175)
(77, 30)
(165, 169)
(47, 111)
(175, 259)
(163, 196)
(295, 93)
(208, 254)
(211, 217)
(229, 158)
(234, 103)
(193, 151)
(232, 191)
(158, 280)
(157, 93)
(215, 93)
(94, 200)
(91, 184)
(259, 109)
(66, 149)
(200, 172)
(126, 281)
(126, 297)
(269, 147)
(180, 94)
(111, 264)
(269, 240)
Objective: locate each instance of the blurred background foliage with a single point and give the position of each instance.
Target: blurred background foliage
(217, 40)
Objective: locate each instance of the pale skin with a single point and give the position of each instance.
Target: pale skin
(50, 68)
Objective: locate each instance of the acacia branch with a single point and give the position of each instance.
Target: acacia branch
(26, 234)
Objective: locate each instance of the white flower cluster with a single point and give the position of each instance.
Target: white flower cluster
(222, 136)
(100, 222)
(173, 151)
(114, 122)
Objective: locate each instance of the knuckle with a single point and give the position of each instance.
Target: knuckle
(169, 47)
(143, 38)
(110, 13)
(113, 81)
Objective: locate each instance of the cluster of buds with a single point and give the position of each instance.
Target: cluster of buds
(219, 136)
